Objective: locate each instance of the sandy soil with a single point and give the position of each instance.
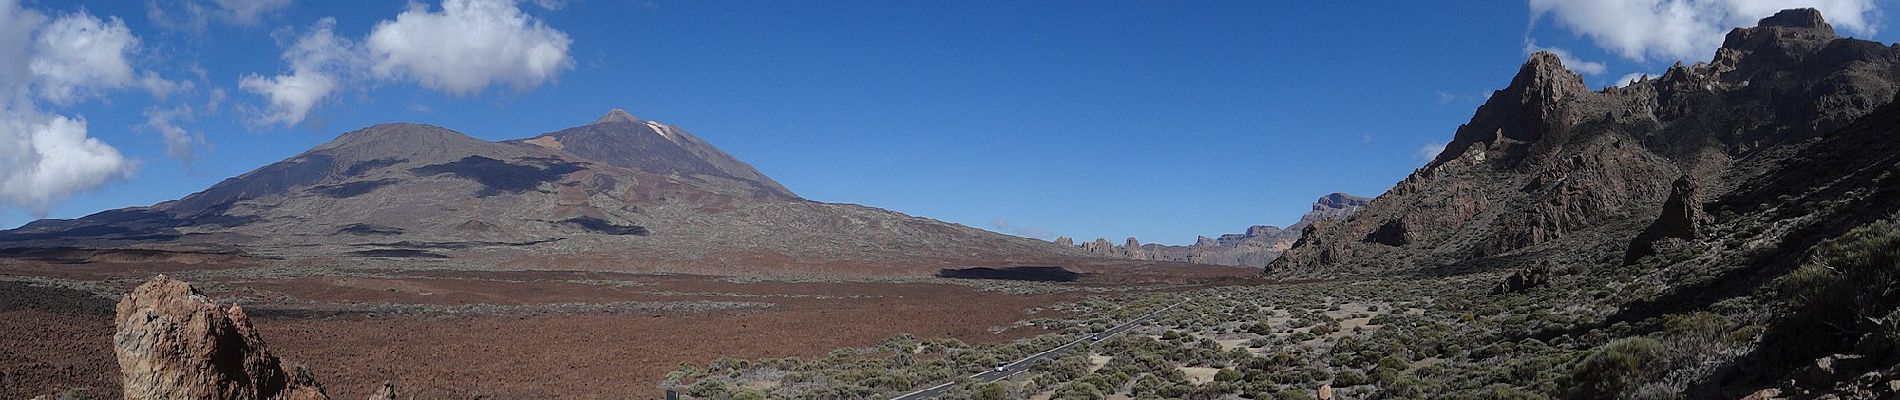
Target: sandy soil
(1200, 375)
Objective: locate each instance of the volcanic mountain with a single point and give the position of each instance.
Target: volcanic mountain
(620, 191)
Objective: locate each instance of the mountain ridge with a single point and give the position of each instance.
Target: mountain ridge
(1258, 246)
(1547, 163)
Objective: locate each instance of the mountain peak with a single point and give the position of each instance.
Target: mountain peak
(616, 115)
(1788, 35)
(1797, 18)
(399, 135)
(1339, 201)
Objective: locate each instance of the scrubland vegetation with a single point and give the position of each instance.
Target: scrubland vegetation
(1599, 331)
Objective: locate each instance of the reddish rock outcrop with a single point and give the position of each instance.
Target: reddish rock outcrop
(173, 343)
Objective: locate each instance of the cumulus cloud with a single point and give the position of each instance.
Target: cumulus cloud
(318, 60)
(45, 157)
(79, 55)
(1576, 64)
(463, 48)
(468, 46)
(1428, 152)
(1667, 30)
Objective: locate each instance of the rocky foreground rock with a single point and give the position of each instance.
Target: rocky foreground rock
(174, 343)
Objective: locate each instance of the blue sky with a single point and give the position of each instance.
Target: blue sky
(1159, 120)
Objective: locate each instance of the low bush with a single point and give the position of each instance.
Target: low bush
(1616, 367)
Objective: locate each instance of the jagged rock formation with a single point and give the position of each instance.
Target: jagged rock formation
(1547, 164)
(1524, 279)
(1681, 213)
(173, 343)
(1259, 245)
(621, 192)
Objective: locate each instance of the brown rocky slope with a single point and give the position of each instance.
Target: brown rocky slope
(1757, 190)
(1548, 164)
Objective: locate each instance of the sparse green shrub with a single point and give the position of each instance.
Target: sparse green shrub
(1080, 391)
(1227, 375)
(1849, 288)
(1350, 378)
(710, 389)
(1618, 366)
(748, 394)
(76, 394)
(1890, 331)
(991, 391)
(1507, 392)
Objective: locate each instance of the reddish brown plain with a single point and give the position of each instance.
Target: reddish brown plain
(411, 327)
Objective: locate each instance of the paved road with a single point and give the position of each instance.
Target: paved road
(1024, 364)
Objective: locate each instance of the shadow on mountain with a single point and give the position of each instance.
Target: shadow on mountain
(1037, 274)
(500, 176)
(598, 225)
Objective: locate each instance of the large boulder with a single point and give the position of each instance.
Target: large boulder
(173, 343)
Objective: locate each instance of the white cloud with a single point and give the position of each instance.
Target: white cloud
(180, 144)
(248, 12)
(45, 158)
(1428, 152)
(215, 100)
(318, 60)
(291, 96)
(162, 88)
(187, 16)
(1576, 64)
(464, 48)
(468, 46)
(195, 15)
(1667, 30)
(16, 36)
(79, 55)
